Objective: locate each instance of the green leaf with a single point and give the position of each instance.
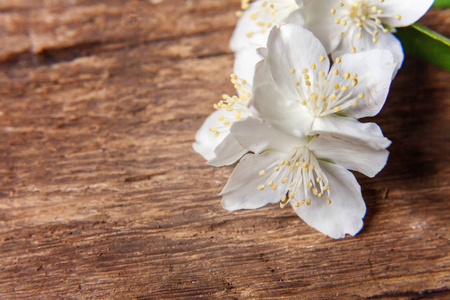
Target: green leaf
(423, 42)
(442, 3)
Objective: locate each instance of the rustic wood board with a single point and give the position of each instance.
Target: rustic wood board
(102, 196)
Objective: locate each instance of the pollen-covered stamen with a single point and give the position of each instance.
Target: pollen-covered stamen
(365, 16)
(266, 14)
(324, 94)
(299, 175)
(233, 107)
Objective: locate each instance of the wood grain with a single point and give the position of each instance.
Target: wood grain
(102, 196)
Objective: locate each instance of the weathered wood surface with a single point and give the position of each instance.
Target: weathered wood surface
(102, 196)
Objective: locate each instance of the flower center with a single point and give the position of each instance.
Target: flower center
(234, 108)
(300, 175)
(366, 16)
(324, 93)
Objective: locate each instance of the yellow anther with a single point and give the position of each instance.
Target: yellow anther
(306, 76)
(354, 82)
(297, 204)
(359, 35)
(341, 4)
(322, 73)
(283, 198)
(303, 102)
(291, 195)
(213, 129)
(313, 66)
(282, 205)
(233, 76)
(341, 33)
(276, 169)
(284, 180)
(237, 115)
(288, 163)
(239, 13)
(309, 184)
(292, 71)
(336, 72)
(308, 83)
(320, 195)
(297, 83)
(226, 122)
(308, 201)
(361, 95)
(292, 168)
(338, 60)
(326, 188)
(315, 191)
(333, 97)
(347, 75)
(274, 187)
(282, 162)
(261, 187)
(398, 17)
(344, 88)
(262, 172)
(235, 98)
(305, 71)
(225, 96)
(337, 108)
(333, 11)
(338, 21)
(302, 201)
(250, 34)
(216, 134)
(355, 75)
(328, 201)
(216, 106)
(353, 50)
(336, 86)
(220, 118)
(354, 103)
(322, 58)
(312, 166)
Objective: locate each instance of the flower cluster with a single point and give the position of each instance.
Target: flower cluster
(293, 125)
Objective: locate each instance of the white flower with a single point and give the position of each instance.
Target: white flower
(253, 27)
(345, 26)
(310, 173)
(213, 140)
(297, 91)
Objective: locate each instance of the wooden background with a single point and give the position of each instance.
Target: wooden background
(102, 196)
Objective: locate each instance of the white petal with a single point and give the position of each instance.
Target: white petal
(357, 157)
(351, 130)
(410, 11)
(347, 209)
(227, 152)
(245, 61)
(205, 141)
(257, 135)
(280, 111)
(375, 69)
(241, 190)
(320, 20)
(386, 41)
(290, 50)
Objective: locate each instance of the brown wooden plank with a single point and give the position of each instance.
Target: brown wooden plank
(102, 196)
